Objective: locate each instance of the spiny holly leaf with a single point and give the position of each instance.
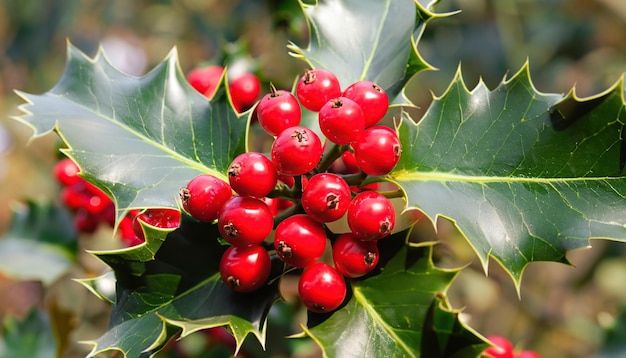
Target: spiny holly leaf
(401, 312)
(366, 39)
(524, 175)
(138, 138)
(41, 243)
(179, 290)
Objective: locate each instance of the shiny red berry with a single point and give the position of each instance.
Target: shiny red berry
(204, 195)
(321, 288)
(277, 111)
(299, 240)
(341, 120)
(296, 151)
(244, 91)
(205, 79)
(377, 150)
(354, 258)
(164, 218)
(66, 172)
(252, 174)
(317, 87)
(245, 221)
(371, 97)
(371, 216)
(245, 269)
(326, 197)
(503, 348)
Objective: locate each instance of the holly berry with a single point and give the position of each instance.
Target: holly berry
(204, 195)
(245, 269)
(341, 120)
(205, 79)
(296, 151)
(371, 97)
(66, 172)
(164, 218)
(252, 174)
(299, 240)
(321, 288)
(503, 348)
(377, 150)
(317, 87)
(354, 258)
(326, 197)
(244, 91)
(245, 221)
(371, 216)
(277, 111)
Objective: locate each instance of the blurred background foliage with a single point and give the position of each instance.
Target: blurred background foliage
(564, 311)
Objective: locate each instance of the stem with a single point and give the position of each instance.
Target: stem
(393, 194)
(294, 209)
(329, 158)
(354, 179)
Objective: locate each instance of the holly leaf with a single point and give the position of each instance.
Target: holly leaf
(140, 139)
(41, 243)
(524, 175)
(366, 40)
(401, 312)
(179, 291)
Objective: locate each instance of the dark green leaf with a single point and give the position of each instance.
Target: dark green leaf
(180, 289)
(524, 175)
(366, 40)
(138, 138)
(41, 243)
(398, 313)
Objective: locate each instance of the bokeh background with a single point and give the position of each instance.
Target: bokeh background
(564, 311)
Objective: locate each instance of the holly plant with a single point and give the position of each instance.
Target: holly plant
(219, 222)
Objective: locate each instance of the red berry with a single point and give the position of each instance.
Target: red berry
(371, 97)
(66, 172)
(85, 221)
(354, 258)
(326, 197)
(377, 150)
(321, 288)
(245, 269)
(205, 79)
(503, 348)
(296, 151)
(371, 216)
(204, 195)
(244, 91)
(277, 111)
(316, 88)
(346, 164)
(164, 218)
(245, 221)
(252, 174)
(341, 120)
(299, 240)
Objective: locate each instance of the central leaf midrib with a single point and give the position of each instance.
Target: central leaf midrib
(485, 179)
(144, 139)
(377, 318)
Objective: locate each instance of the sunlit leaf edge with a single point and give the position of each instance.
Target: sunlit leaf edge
(523, 71)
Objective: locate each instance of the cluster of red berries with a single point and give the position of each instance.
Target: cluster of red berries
(244, 88)
(91, 206)
(314, 179)
(503, 348)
